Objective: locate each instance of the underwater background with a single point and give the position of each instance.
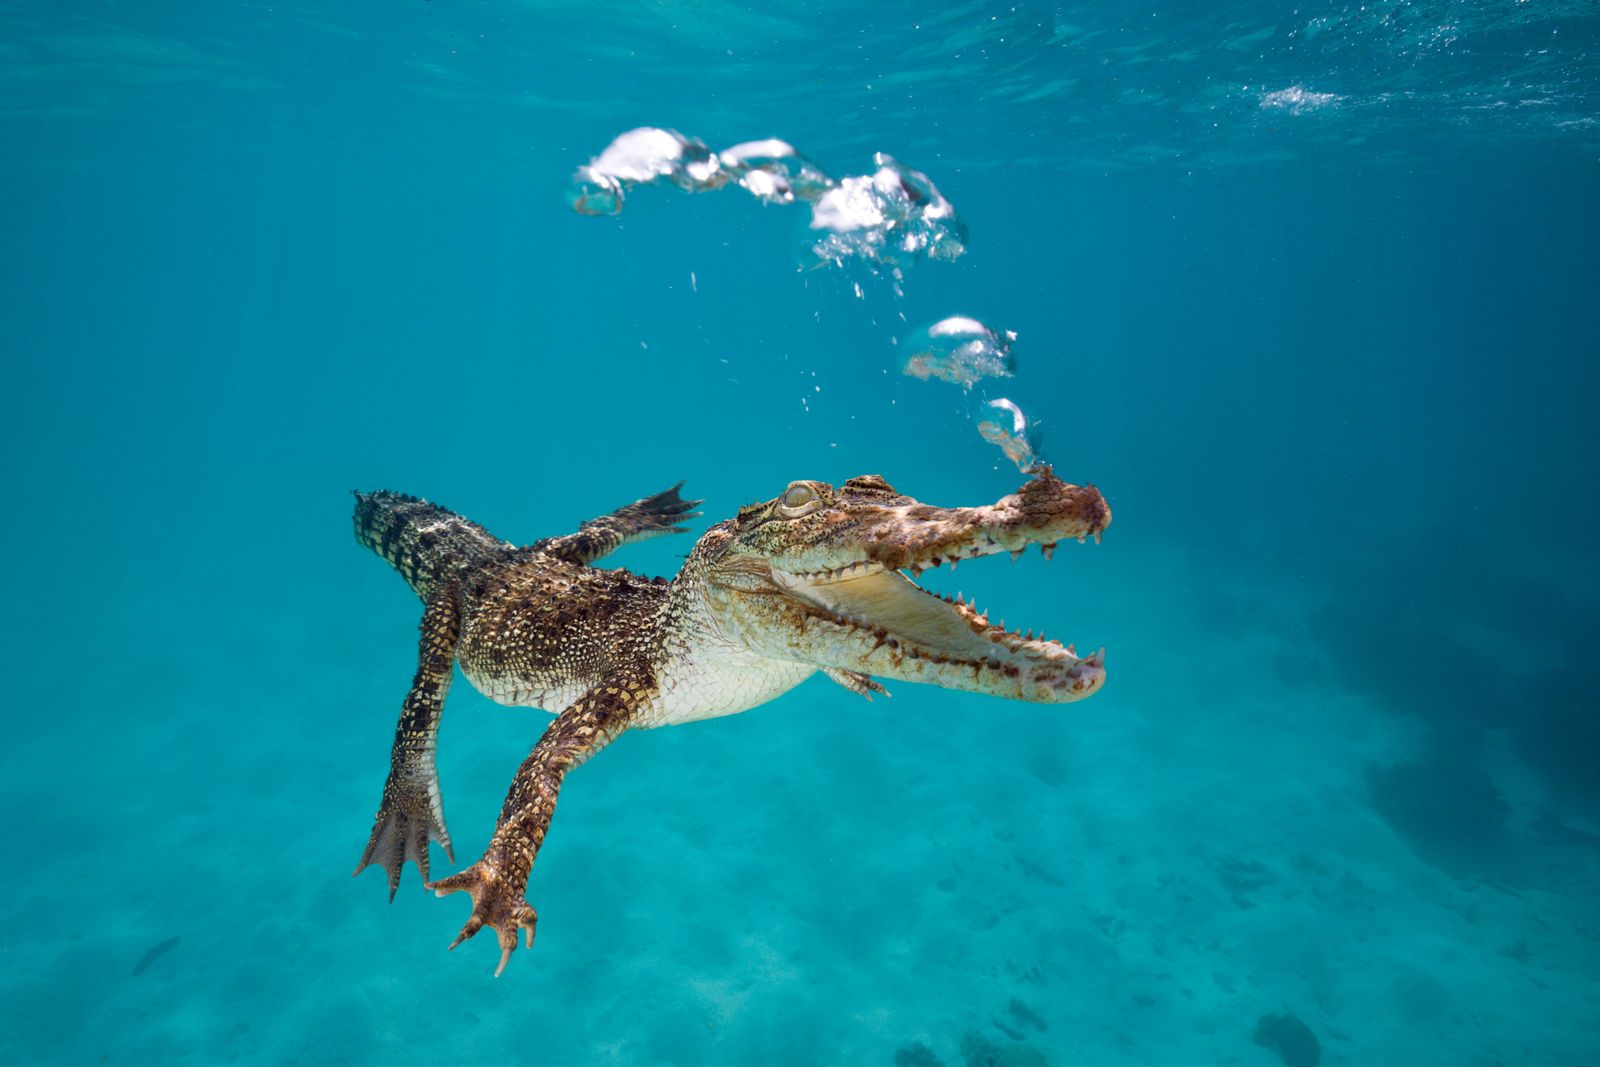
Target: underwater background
(1312, 294)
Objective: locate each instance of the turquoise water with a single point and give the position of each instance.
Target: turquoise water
(1310, 294)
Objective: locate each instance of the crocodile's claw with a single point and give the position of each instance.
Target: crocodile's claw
(496, 901)
(401, 831)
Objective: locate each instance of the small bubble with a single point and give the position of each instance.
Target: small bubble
(1002, 423)
(593, 193)
(1297, 100)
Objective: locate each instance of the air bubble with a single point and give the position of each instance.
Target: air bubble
(643, 156)
(959, 350)
(1297, 100)
(1002, 423)
(774, 172)
(593, 193)
(893, 214)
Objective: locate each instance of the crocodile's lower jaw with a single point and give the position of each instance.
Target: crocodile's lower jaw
(868, 618)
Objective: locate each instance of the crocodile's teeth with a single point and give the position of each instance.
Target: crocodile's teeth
(1016, 554)
(1048, 550)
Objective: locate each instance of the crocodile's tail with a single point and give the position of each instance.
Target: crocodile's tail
(423, 541)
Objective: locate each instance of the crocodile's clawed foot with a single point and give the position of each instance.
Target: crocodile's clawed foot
(862, 684)
(399, 834)
(496, 902)
(659, 513)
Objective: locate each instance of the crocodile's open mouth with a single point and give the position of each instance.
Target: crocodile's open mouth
(828, 577)
(915, 632)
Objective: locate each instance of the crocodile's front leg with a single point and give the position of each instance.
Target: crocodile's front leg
(412, 812)
(498, 882)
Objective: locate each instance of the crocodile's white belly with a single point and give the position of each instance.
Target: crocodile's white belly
(519, 692)
(700, 683)
(710, 680)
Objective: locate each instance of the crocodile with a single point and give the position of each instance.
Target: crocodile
(817, 579)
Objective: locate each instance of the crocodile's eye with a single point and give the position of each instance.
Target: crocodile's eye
(799, 496)
(800, 499)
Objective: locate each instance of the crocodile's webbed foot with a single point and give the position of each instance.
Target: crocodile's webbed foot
(411, 812)
(498, 901)
(407, 820)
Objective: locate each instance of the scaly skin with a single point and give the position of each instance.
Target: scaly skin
(812, 580)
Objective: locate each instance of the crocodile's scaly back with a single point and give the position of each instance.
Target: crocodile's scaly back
(423, 541)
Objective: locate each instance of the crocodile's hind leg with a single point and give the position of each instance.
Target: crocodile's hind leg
(650, 517)
(411, 812)
(499, 881)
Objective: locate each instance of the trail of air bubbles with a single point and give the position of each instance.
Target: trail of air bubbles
(963, 351)
(888, 217)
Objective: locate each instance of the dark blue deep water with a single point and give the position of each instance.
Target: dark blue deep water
(1312, 294)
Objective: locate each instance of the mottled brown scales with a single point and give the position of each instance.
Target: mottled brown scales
(811, 580)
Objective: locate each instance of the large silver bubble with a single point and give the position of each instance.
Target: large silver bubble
(639, 157)
(889, 216)
(959, 350)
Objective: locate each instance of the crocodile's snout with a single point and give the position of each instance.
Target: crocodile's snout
(1051, 506)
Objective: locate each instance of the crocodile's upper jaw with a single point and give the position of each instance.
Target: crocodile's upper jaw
(816, 577)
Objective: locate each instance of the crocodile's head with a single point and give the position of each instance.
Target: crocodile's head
(827, 576)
